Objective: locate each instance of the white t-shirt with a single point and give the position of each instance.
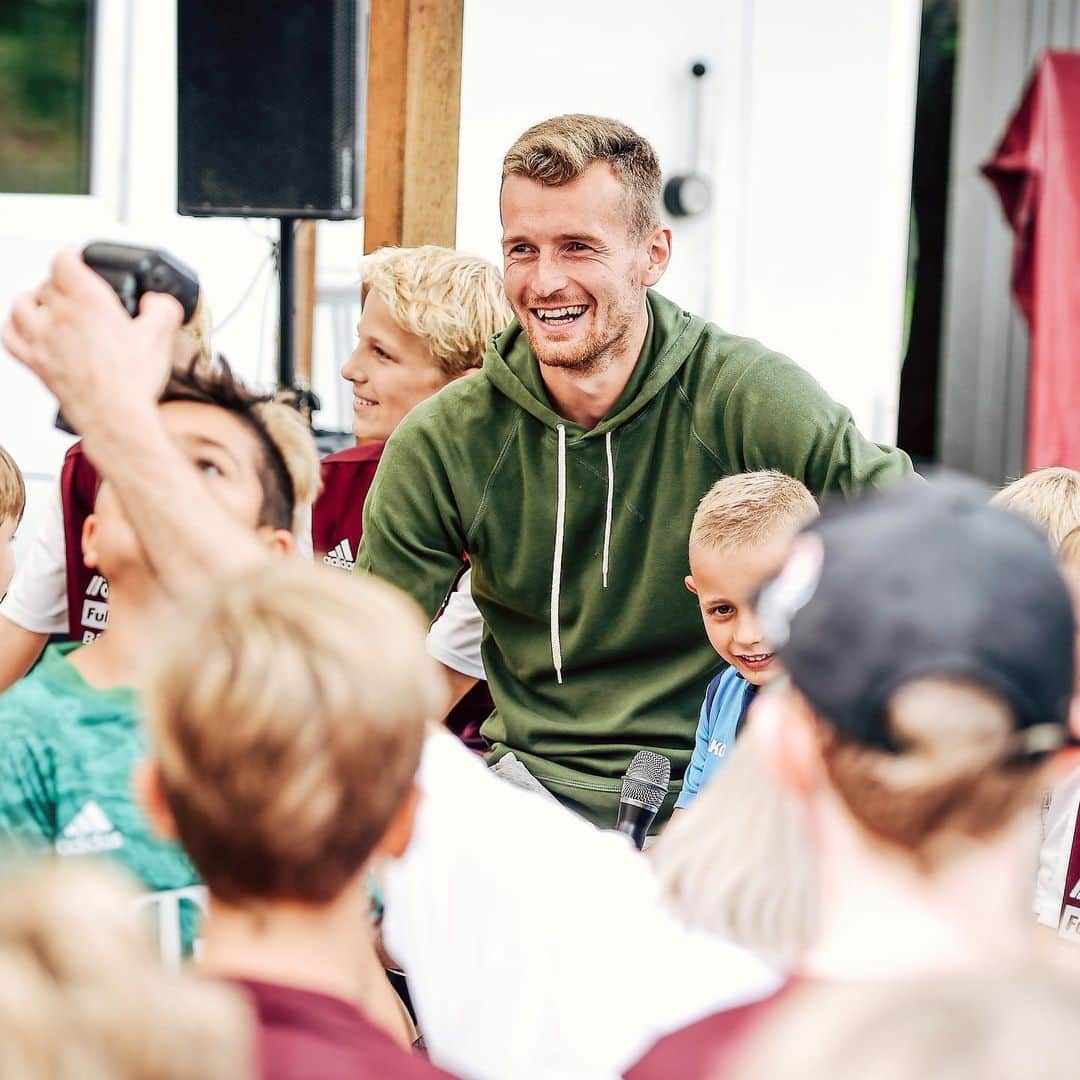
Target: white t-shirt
(454, 638)
(36, 600)
(537, 945)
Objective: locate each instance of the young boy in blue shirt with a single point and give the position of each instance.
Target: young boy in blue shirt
(739, 537)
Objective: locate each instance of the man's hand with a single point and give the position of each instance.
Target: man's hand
(75, 335)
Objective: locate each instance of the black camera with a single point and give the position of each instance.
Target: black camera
(132, 271)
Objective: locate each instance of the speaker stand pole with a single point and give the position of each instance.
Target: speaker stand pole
(287, 304)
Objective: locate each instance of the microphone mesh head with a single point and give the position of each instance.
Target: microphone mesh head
(650, 768)
(645, 783)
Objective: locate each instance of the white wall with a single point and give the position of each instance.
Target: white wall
(808, 141)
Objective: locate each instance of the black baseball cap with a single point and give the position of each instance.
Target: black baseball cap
(921, 580)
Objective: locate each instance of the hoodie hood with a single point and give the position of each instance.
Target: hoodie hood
(513, 368)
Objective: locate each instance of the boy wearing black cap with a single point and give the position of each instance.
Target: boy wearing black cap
(928, 641)
(929, 644)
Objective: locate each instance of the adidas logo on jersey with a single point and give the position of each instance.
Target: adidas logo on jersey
(341, 556)
(89, 832)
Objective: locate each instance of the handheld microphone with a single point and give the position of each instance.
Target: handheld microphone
(644, 786)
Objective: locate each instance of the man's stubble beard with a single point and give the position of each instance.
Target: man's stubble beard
(595, 354)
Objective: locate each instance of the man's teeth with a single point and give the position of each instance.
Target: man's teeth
(560, 315)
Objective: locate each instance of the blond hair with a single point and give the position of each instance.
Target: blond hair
(1048, 497)
(951, 778)
(751, 508)
(288, 738)
(985, 1026)
(82, 993)
(454, 302)
(739, 862)
(557, 151)
(291, 434)
(12, 488)
(1069, 551)
(193, 338)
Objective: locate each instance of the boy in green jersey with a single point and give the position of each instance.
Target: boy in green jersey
(70, 732)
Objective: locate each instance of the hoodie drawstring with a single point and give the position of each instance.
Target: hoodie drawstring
(556, 566)
(610, 500)
(560, 529)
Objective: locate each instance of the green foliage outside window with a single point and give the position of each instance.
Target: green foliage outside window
(44, 96)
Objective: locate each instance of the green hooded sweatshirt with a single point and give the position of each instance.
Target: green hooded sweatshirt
(577, 538)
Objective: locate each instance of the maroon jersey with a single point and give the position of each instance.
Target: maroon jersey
(706, 1049)
(1069, 919)
(337, 518)
(87, 590)
(301, 1034)
(337, 527)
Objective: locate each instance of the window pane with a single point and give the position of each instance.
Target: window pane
(44, 96)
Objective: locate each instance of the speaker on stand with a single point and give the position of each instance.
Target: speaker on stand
(270, 121)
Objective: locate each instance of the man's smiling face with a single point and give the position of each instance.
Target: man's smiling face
(575, 272)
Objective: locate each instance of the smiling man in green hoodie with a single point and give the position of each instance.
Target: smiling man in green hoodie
(569, 469)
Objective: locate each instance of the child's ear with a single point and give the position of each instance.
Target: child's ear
(89, 544)
(150, 794)
(279, 541)
(688, 581)
(395, 839)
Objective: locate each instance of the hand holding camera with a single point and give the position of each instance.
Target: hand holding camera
(80, 334)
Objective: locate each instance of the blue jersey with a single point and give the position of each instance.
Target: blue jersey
(726, 700)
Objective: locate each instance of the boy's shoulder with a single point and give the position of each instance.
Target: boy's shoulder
(722, 687)
(54, 695)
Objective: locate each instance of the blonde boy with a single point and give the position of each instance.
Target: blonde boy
(12, 505)
(283, 754)
(738, 538)
(1048, 497)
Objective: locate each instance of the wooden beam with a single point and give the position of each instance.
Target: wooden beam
(306, 240)
(413, 121)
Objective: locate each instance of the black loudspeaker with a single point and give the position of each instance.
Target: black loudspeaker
(270, 107)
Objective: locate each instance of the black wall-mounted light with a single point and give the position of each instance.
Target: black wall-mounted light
(690, 194)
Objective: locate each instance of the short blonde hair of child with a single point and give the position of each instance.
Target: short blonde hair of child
(291, 434)
(83, 994)
(453, 301)
(1069, 551)
(1048, 497)
(286, 714)
(750, 508)
(12, 488)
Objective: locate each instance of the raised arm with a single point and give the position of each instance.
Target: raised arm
(107, 371)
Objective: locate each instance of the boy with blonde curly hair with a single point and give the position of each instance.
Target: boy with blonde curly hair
(428, 315)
